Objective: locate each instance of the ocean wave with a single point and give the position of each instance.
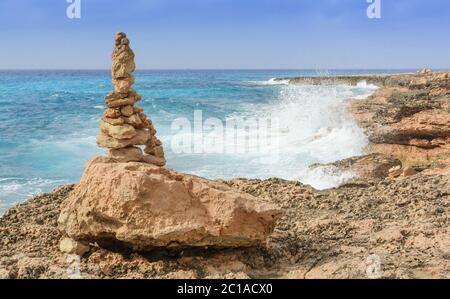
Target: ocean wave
(272, 81)
(313, 127)
(324, 177)
(364, 90)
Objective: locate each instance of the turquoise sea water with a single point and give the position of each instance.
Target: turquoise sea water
(49, 119)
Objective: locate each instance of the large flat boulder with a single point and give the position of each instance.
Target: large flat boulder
(142, 206)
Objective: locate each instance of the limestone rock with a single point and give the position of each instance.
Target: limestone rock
(426, 129)
(124, 131)
(143, 206)
(367, 166)
(112, 113)
(409, 171)
(127, 110)
(70, 246)
(103, 140)
(123, 59)
(159, 152)
(134, 120)
(158, 161)
(117, 96)
(395, 171)
(116, 103)
(123, 85)
(123, 125)
(113, 121)
(127, 154)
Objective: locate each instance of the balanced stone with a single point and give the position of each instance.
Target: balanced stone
(104, 140)
(127, 154)
(134, 120)
(123, 85)
(118, 131)
(114, 103)
(112, 113)
(114, 121)
(123, 126)
(127, 110)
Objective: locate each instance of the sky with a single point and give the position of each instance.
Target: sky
(227, 34)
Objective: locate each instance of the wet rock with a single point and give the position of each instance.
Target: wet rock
(368, 166)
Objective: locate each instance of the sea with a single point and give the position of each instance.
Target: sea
(49, 120)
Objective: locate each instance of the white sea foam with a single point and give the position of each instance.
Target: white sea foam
(324, 177)
(365, 90)
(273, 81)
(314, 127)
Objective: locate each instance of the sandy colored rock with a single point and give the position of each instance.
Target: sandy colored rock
(4, 274)
(419, 130)
(117, 96)
(111, 113)
(158, 161)
(367, 166)
(70, 246)
(409, 171)
(104, 140)
(127, 154)
(114, 121)
(124, 131)
(123, 85)
(115, 103)
(159, 152)
(134, 120)
(123, 124)
(122, 58)
(327, 234)
(143, 206)
(147, 122)
(127, 110)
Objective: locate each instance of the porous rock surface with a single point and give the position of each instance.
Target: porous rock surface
(142, 206)
(322, 234)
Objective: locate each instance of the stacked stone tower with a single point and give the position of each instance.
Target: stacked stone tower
(124, 127)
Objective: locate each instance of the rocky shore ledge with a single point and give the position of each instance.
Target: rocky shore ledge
(392, 221)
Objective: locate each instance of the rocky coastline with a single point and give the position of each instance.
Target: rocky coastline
(396, 212)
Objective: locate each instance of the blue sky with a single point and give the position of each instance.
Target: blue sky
(313, 34)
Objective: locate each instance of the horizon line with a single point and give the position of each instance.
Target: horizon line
(221, 69)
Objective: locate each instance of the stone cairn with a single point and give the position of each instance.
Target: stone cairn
(124, 127)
